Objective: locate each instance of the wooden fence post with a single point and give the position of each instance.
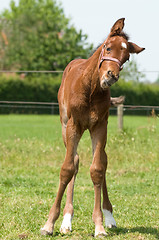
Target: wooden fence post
(120, 117)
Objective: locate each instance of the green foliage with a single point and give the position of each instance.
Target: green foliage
(40, 37)
(44, 88)
(136, 93)
(130, 72)
(37, 89)
(31, 154)
(157, 81)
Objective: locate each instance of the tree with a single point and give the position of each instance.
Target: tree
(39, 37)
(130, 72)
(157, 80)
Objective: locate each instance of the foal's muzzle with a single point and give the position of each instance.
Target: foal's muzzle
(109, 80)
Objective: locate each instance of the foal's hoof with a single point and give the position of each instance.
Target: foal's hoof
(100, 232)
(109, 219)
(45, 232)
(111, 226)
(66, 225)
(47, 229)
(64, 230)
(101, 235)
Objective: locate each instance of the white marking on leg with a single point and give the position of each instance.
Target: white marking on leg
(66, 225)
(109, 220)
(123, 45)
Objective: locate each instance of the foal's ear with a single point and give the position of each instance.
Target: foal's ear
(133, 48)
(117, 27)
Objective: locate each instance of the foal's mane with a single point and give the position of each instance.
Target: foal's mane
(122, 34)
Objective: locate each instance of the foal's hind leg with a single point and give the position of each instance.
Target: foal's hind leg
(67, 171)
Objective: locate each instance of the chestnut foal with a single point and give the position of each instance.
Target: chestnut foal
(84, 101)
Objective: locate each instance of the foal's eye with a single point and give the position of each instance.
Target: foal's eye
(108, 49)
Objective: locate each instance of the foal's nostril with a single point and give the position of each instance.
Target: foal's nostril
(109, 73)
(112, 74)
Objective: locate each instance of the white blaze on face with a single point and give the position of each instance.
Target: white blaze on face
(123, 45)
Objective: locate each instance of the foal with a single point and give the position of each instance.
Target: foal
(84, 101)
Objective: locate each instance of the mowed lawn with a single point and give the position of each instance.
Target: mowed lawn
(31, 154)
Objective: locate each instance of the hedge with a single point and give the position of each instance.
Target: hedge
(137, 93)
(30, 89)
(37, 89)
(44, 88)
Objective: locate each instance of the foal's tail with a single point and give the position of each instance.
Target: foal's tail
(117, 100)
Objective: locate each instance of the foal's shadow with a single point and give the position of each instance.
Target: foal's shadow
(143, 230)
(117, 231)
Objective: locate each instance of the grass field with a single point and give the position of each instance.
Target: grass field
(31, 154)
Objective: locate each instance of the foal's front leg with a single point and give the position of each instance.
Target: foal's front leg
(68, 212)
(67, 171)
(107, 208)
(97, 171)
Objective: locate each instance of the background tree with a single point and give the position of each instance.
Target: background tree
(131, 72)
(39, 37)
(157, 80)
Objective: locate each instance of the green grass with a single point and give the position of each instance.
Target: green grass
(31, 153)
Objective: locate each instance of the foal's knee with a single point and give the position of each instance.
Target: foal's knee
(97, 174)
(67, 172)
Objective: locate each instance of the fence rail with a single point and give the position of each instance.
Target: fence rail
(34, 103)
(29, 107)
(53, 105)
(61, 71)
(126, 107)
(30, 71)
(53, 108)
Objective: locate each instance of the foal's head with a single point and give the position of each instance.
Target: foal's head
(115, 52)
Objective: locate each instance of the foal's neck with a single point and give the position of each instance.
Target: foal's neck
(93, 70)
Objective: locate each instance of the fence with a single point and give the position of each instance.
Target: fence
(29, 107)
(53, 108)
(151, 110)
